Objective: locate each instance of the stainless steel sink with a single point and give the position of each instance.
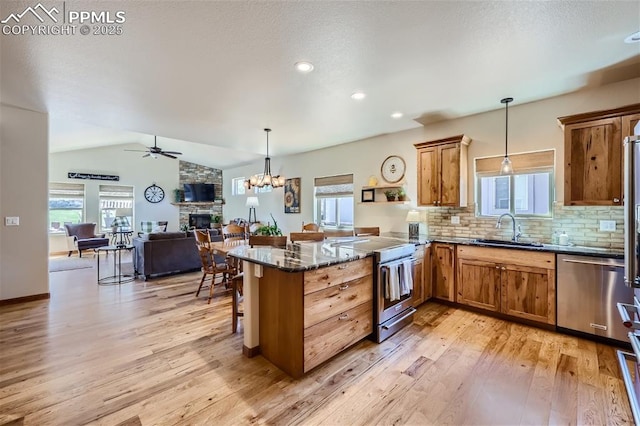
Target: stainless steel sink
(506, 243)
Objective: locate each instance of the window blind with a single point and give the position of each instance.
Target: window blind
(66, 190)
(334, 186)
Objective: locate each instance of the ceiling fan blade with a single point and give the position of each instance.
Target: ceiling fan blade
(136, 150)
(172, 152)
(167, 155)
(146, 155)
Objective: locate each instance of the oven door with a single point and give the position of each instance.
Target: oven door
(388, 308)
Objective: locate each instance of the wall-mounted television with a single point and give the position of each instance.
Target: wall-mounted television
(199, 192)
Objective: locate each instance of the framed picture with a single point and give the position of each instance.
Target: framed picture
(368, 195)
(292, 195)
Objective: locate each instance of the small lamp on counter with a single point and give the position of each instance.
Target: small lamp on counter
(413, 219)
(252, 203)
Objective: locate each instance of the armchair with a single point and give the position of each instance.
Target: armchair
(84, 237)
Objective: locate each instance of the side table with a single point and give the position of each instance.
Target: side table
(117, 276)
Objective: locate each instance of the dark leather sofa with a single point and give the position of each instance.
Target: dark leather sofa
(159, 253)
(85, 237)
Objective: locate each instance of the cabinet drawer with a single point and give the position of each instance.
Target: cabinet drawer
(323, 304)
(322, 278)
(332, 336)
(508, 256)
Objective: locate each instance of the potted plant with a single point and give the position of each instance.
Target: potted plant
(273, 230)
(402, 195)
(390, 194)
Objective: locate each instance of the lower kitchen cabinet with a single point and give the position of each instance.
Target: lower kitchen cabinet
(443, 269)
(479, 284)
(418, 277)
(518, 283)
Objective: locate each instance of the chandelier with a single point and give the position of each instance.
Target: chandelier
(266, 178)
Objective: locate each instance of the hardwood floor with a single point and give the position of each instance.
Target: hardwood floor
(151, 353)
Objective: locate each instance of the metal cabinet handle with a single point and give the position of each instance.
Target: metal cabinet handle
(409, 312)
(616, 200)
(497, 266)
(503, 268)
(627, 321)
(343, 267)
(343, 317)
(344, 287)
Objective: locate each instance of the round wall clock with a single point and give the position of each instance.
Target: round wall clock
(154, 194)
(393, 168)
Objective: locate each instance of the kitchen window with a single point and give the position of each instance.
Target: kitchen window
(334, 202)
(528, 192)
(66, 205)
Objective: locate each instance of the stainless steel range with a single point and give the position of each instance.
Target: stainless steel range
(392, 282)
(393, 309)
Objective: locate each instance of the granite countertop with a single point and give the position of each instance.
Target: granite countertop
(576, 250)
(299, 256)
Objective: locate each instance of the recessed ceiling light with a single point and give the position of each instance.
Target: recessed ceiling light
(358, 96)
(304, 67)
(396, 115)
(633, 38)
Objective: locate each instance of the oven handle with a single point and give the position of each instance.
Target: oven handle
(409, 312)
(396, 262)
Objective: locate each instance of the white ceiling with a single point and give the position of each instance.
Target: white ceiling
(208, 76)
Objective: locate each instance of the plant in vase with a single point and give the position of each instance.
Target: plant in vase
(402, 195)
(390, 194)
(177, 195)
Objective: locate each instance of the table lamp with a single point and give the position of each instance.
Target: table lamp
(252, 203)
(413, 218)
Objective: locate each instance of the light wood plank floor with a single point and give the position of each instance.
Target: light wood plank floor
(151, 353)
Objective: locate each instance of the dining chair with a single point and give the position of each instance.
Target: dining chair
(310, 227)
(211, 265)
(331, 233)
(233, 232)
(306, 236)
(268, 240)
(366, 230)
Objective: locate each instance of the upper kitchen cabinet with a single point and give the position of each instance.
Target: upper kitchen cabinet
(593, 155)
(442, 172)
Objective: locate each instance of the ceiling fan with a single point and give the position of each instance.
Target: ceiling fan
(154, 151)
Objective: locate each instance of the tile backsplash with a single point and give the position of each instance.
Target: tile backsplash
(582, 224)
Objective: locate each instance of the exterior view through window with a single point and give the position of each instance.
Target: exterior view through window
(115, 201)
(334, 202)
(66, 205)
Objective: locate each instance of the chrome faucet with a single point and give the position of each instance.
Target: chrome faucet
(515, 235)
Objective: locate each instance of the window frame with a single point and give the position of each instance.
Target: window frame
(340, 187)
(512, 189)
(235, 188)
(107, 229)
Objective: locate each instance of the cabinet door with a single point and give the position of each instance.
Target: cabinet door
(418, 282)
(427, 274)
(443, 271)
(593, 163)
(428, 181)
(529, 293)
(631, 125)
(479, 284)
(449, 159)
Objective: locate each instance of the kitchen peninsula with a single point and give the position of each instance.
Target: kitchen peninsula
(306, 303)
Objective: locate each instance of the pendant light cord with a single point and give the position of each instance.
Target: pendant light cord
(506, 129)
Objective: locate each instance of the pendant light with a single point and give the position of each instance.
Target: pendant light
(266, 179)
(506, 168)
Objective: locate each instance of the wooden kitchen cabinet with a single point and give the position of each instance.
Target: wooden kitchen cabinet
(593, 159)
(478, 284)
(442, 172)
(443, 271)
(519, 283)
(418, 277)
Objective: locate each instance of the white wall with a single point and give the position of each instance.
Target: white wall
(133, 170)
(532, 127)
(23, 193)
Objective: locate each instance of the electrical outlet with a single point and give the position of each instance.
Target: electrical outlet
(11, 221)
(607, 225)
(455, 220)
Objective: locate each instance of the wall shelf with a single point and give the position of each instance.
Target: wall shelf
(379, 197)
(384, 202)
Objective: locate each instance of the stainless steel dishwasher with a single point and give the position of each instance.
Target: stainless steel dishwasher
(588, 289)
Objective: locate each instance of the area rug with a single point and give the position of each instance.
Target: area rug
(70, 263)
